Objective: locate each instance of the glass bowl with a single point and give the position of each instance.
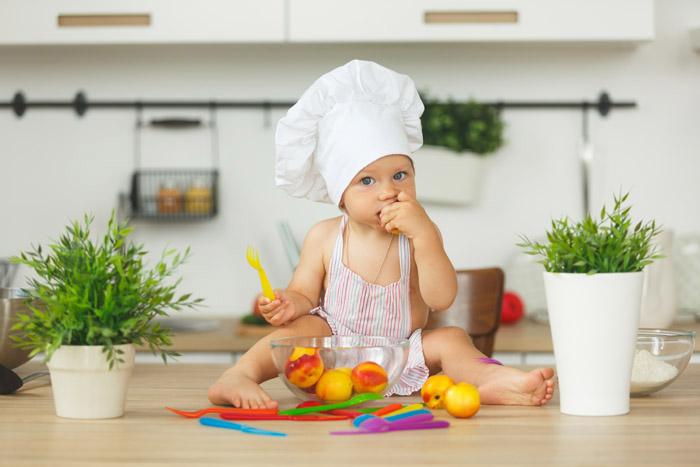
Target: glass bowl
(660, 357)
(303, 364)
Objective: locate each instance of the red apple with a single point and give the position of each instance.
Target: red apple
(512, 308)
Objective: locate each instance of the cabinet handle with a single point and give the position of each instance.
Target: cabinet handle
(466, 17)
(98, 20)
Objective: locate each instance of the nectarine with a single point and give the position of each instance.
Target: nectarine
(434, 389)
(369, 377)
(304, 367)
(334, 386)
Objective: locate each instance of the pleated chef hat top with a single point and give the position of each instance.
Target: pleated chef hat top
(350, 117)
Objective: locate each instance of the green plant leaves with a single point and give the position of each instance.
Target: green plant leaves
(603, 245)
(462, 127)
(99, 293)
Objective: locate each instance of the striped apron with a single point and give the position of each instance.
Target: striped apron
(352, 306)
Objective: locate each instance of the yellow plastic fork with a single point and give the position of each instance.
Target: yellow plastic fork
(253, 258)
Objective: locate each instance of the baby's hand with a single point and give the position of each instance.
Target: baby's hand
(278, 311)
(407, 216)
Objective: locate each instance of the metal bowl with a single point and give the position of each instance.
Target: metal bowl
(12, 301)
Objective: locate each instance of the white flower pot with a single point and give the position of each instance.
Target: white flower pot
(446, 177)
(594, 320)
(84, 386)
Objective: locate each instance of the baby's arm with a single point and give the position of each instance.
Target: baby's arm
(303, 292)
(437, 280)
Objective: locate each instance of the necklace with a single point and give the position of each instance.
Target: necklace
(347, 252)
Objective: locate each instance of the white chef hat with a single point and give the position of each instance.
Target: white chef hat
(347, 119)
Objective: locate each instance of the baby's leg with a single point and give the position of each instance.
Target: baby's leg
(240, 384)
(451, 350)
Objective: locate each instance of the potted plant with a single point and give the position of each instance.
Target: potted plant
(593, 283)
(457, 138)
(98, 299)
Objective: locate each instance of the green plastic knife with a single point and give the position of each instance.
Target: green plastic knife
(358, 399)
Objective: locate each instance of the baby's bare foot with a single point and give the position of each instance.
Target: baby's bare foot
(510, 386)
(239, 390)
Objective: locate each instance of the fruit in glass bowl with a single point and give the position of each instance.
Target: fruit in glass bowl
(334, 368)
(334, 386)
(369, 377)
(304, 367)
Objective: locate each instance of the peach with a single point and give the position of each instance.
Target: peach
(334, 386)
(304, 367)
(369, 377)
(462, 400)
(434, 389)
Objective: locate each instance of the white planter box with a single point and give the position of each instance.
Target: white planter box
(83, 385)
(594, 321)
(445, 177)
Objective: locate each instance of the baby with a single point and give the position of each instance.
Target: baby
(380, 268)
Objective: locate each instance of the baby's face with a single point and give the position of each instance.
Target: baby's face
(378, 185)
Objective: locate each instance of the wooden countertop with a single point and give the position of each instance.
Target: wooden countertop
(223, 336)
(530, 336)
(660, 430)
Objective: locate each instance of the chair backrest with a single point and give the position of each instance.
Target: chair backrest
(477, 307)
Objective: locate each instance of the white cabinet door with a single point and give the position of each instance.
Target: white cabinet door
(695, 38)
(141, 21)
(470, 20)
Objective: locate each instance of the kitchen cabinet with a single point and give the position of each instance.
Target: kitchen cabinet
(323, 21)
(695, 38)
(470, 20)
(141, 21)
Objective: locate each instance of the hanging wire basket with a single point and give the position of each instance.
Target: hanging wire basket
(174, 194)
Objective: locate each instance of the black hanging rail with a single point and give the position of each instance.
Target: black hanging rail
(80, 104)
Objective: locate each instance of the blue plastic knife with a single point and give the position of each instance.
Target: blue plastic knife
(215, 422)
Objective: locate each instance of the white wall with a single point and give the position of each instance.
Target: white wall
(55, 166)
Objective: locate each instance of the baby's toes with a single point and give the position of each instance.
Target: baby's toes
(257, 403)
(268, 403)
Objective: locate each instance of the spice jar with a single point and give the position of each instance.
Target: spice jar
(198, 198)
(169, 198)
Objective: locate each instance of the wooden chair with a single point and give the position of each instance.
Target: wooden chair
(477, 307)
